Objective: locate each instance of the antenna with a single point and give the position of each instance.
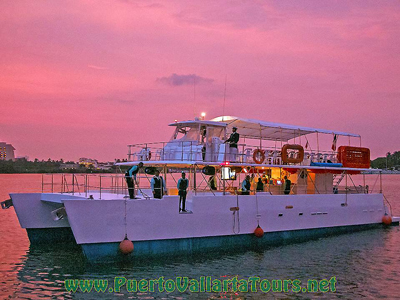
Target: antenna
(194, 96)
(223, 108)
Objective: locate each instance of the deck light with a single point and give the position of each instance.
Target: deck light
(203, 115)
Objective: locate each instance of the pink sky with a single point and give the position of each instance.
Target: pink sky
(86, 78)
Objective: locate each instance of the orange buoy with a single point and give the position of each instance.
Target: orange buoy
(126, 246)
(386, 219)
(259, 232)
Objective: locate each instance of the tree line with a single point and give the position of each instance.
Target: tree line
(45, 166)
(390, 161)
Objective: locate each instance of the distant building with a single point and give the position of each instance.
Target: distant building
(6, 151)
(105, 166)
(22, 158)
(69, 166)
(88, 162)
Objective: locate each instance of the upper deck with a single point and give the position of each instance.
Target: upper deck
(261, 143)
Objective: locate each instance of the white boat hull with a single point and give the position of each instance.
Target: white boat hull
(156, 227)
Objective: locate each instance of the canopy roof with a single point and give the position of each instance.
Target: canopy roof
(251, 128)
(197, 122)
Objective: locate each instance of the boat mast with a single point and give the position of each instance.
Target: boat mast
(223, 107)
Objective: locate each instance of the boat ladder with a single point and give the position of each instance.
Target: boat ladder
(337, 179)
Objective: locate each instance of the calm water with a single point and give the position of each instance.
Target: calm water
(366, 264)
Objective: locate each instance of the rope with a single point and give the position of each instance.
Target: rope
(258, 216)
(387, 201)
(125, 222)
(139, 189)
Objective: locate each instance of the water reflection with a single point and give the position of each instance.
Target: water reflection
(365, 263)
(359, 261)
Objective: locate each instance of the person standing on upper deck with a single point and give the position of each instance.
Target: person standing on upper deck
(158, 185)
(130, 177)
(233, 144)
(183, 184)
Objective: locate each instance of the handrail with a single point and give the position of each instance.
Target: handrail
(102, 185)
(177, 150)
(115, 184)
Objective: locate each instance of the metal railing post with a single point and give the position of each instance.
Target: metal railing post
(73, 184)
(194, 180)
(182, 151)
(100, 187)
(85, 187)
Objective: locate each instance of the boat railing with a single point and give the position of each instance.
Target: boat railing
(84, 185)
(214, 152)
(106, 186)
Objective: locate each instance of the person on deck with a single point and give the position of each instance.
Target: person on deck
(183, 184)
(203, 133)
(212, 182)
(130, 177)
(246, 185)
(158, 185)
(286, 186)
(260, 185)
(233, 141)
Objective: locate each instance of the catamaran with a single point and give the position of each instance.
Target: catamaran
(321, 194)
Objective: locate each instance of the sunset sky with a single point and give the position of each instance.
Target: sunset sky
(86, 78)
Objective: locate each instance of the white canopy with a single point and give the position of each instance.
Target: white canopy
(251, 128)
(197, 122)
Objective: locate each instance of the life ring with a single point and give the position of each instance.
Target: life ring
(256, 153)
(292, 160)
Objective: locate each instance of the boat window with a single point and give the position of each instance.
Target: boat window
(187, 134)
(201, 134)
(214, 132)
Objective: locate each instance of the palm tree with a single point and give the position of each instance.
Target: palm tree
(387, 156)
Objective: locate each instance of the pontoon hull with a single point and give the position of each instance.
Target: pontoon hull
(156, 227)
(34, 214)
(109, 252)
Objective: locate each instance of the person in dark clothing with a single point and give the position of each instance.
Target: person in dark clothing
(246, 186)
(158, 185)
(212, 182)
(130, 177)
(260, 185)
(203, 133)
(183, 184)
(286, 186)
(233, 144)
